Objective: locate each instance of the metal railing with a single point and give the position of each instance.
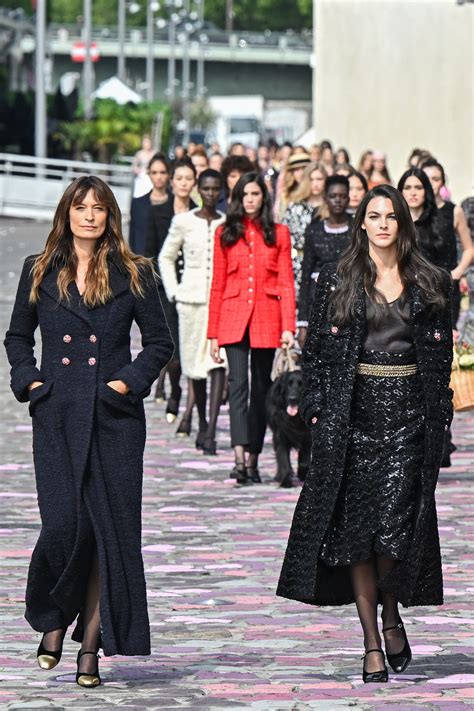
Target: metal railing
(32, 187)
(213, 36)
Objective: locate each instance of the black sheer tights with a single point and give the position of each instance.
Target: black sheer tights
(91, 614)
(174, 373)
(91, 639)
(215, 401)
(364, 578)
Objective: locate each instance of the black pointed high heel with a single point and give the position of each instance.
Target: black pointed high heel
(376, 677)
(46, 658)
(254, 475)
(84, 679)
(402, 659)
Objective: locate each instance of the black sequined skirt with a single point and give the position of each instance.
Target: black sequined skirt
(376, 503)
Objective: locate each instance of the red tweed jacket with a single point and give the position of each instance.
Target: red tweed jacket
(252, 286)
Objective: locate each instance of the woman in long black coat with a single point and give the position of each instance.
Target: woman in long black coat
(376, 368)
(86, 401)
(160, 215)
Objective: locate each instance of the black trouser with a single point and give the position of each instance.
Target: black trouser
(455, 303)
(248, 424)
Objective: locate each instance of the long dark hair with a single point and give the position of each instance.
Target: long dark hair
(426, 225)
(59, 248)
(234, 224)
(356, 265)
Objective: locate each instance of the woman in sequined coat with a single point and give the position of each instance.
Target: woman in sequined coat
(376, 369)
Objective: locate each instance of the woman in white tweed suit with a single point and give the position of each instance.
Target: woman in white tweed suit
(193, 233)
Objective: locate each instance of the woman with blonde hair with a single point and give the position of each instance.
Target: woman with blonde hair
(291, 179)
(308, 197)
(84, 290)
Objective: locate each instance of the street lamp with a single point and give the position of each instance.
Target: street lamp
(40, 97)
(88, 70)
(133, 8)
(152, 7)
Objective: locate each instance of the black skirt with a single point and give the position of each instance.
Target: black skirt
(376, 503)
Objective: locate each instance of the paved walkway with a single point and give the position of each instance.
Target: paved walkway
(221, 639)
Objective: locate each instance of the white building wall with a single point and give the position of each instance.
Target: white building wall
(397, 74)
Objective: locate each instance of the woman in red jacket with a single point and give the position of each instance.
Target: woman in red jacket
(251, 310)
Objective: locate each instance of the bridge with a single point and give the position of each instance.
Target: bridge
(277, 65)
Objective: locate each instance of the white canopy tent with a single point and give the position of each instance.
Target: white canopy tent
(114, 88)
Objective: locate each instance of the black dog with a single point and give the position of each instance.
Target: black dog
(289, 430)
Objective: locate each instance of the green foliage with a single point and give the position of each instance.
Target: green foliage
(258, 15)
(114, 130)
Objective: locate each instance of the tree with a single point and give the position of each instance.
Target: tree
(114, 129)
(258, 15)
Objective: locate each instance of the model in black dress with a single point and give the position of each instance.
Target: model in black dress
(437, 224)
(159, 173)
(376, 370)
(324, 242)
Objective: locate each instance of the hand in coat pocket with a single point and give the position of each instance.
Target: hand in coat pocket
(119, 386)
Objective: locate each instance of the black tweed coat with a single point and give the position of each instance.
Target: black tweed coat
(88, 443)
(330, 358)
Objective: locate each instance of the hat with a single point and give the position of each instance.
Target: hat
(298, 160)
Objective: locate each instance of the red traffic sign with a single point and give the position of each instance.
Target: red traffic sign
(78, 52)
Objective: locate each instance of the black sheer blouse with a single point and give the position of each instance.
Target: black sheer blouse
(388, 326)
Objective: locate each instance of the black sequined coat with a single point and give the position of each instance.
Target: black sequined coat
(329, 368)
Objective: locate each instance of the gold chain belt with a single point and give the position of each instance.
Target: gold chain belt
(387, 371)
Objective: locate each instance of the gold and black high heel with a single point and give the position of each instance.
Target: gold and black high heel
(88, 680)
(48, 659)
(375, 677)
(401, 659)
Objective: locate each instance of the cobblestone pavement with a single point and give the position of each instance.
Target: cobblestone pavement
(221, 639)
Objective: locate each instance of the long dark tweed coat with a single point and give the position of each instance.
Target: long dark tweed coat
(88, 443)
(329, 368)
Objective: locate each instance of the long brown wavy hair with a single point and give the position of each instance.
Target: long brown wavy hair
(356, 265)
(59, 249)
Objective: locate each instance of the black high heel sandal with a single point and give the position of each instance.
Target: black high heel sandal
(402, 659)
(48, 659)
(86, 679)
(239, 473)
(376, 677)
